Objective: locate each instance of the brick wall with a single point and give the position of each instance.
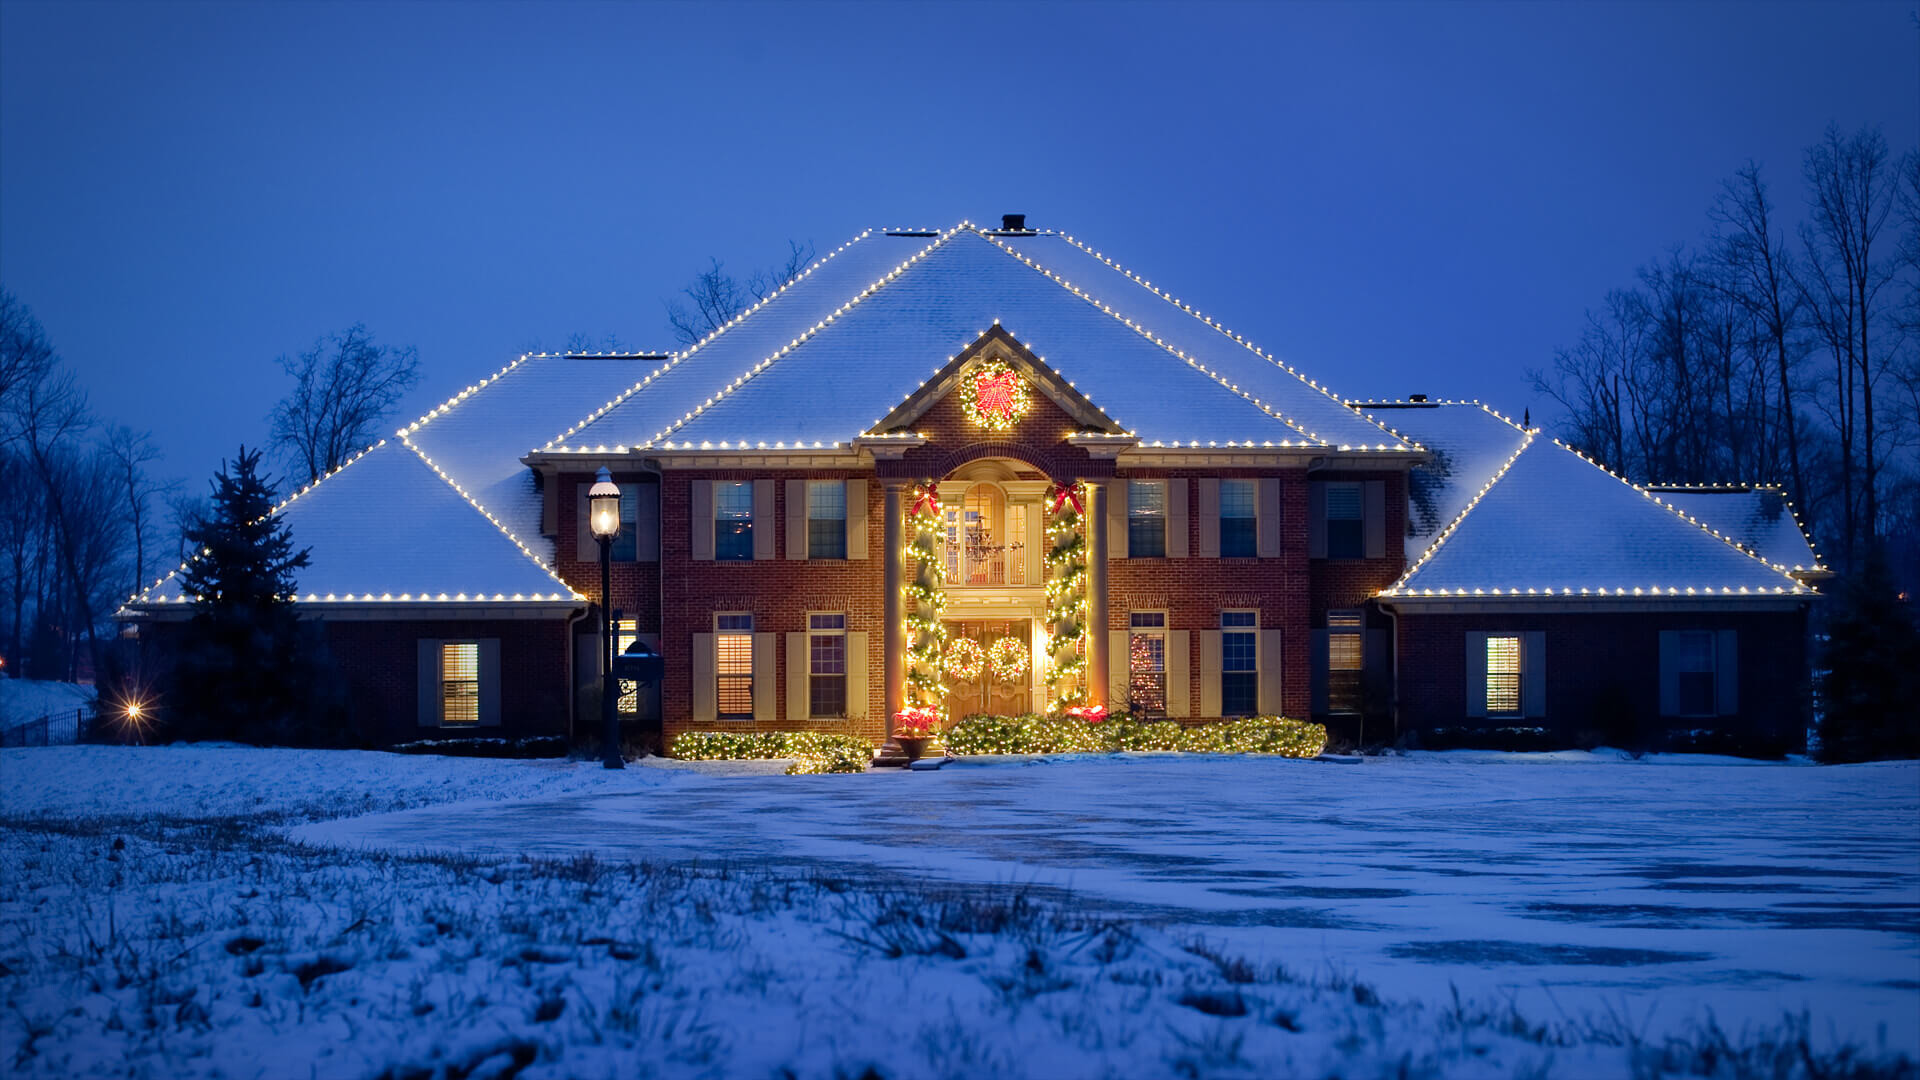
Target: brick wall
(1602, 664)
(636, 585)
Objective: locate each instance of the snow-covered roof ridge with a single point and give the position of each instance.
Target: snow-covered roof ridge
(144, 595)
(1186, 349)
(1758, 516)
(399, 530)
(808, 334)
(1568, 525)
(674, 360)
(1470, 444)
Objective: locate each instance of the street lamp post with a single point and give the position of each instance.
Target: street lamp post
(603, 516)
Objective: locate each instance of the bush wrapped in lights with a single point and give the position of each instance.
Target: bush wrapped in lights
(1062, 734)
(1066, 596)
(841, 751)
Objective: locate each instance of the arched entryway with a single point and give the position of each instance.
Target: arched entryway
(993, 512)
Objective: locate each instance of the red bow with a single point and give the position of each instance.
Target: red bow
(1067, 494)
(993, 394)
(926, 499)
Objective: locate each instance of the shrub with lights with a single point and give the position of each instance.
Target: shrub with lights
(1067, 596)
(923, 599)
(1064, 734)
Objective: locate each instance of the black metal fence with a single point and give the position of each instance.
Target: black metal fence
(55, 729)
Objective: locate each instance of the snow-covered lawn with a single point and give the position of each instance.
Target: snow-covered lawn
(203, 910)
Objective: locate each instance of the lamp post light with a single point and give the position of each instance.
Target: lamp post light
(603, 517)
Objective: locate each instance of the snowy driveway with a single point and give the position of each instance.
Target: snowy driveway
(1572, 882)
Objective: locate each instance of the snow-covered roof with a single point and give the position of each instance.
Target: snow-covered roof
(1469, 443)
(1758, 518)
(1552, 522)
(478, 436)
(387, 527)
(1160, 371)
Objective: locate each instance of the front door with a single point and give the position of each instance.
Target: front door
(993, 674)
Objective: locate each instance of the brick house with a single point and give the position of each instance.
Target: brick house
(1250, 542)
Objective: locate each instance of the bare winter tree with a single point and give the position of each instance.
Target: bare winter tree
(130, 452)
(715, 298)
(343, 388)
(1844, 275)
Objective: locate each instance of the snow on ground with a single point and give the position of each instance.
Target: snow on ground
(1095, 917)
(22, 700)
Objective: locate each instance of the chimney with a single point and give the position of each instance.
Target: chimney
(1013, 223)
(1416, 397)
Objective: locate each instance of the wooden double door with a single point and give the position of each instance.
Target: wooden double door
(993, 689)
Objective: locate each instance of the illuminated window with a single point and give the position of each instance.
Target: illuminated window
(1346, 537)
(827, 665)
(1694, 658)
(733, 640)
(1147, 663)
(733, 521)
(1146, 519)
(1346, 661)
(1237, 527)
(459, 683)
(1239, 663)
(826, 519)
(1503, 676)
(625, 633)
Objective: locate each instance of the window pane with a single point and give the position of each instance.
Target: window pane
(1345, 540)
(1239, 693)
(733, 521)
(1697, 693)
(1343, 502)
(460, 682)
(735, 668)
(826, 622)
(1338, 619)
(826, 519)
(1503, 676)
(826, 539)
(1696, 651)
(1344, 652)
(1238, 651)
(626, 544)
(733, 622)
(1236, 499)
(1147, 618)
(828, 654)
(1239, 618)
(827, 695)
(1146, 519)
(1238, 538)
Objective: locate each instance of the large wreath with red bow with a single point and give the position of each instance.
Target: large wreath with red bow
(995, 396)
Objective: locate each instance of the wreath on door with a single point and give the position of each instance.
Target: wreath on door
(1008, 658)
(965, 659)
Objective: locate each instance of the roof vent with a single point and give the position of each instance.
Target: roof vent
(1013, 223)
(1416, 397)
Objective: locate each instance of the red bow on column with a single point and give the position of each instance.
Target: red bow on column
(1067, 494)
(926, 499)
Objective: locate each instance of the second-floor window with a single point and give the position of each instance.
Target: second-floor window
(826, 519)
(732, 521)
(1238, 537)
(1146, 519)
(1346, 532)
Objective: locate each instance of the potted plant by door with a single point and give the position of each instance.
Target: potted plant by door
(914, 727)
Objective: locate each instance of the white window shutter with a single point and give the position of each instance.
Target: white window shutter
(1726, 672)
(856, 674)
(1119, 672)
(1669, 673)
(489, 682)
(766, 691)
(1476, 673)
(765, 525)
(799, 671)
(706, 676)
(1316, 519)
(1272, 674)
(1177, 518)
(1533, 673)
(857, 518)
(1373, 514)
(585, 548)
(1266, 508)
(1179, 683)
(1211, 661)
(1116, 519)
(796, 519)
(700, 520)
(430, 700)
(1209, 513)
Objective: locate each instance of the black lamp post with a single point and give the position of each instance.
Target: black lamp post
(603, 516)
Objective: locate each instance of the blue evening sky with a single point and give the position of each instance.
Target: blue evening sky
(1396, 198)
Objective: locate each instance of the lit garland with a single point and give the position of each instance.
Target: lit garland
(994, 396)
(1066, 596)
(924, 598)
(1065, 734)
(965, 659)
(1008, 659)
(813, 751)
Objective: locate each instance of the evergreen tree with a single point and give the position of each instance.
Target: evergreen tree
(246, 671)
(1872, 676)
